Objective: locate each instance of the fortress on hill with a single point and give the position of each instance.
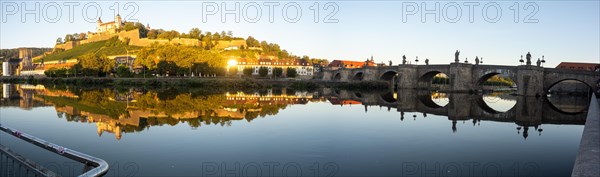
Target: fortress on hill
(107, 30)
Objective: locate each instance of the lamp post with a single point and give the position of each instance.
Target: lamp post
(417, 60)
(521, 60)
(543, 61)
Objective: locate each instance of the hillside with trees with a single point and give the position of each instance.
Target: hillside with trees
(14, 53)
(163, 59)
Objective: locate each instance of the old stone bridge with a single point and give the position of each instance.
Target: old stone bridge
(463, 77)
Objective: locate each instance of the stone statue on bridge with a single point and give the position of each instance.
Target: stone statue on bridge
(390, 62)
(426, 61)
(476, 60)
(539, 62)
(403, 59)
(456, 56)
(528, 57)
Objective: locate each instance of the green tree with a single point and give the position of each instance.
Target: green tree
(59, 41)
(248, 71)
(291, 72)
(142, 29)
(68, 38)
(169, 35)
(216, 36)
(123, 71)
(277, 72)
(153, 34)
(251, 42)
(263, 71)
(82, 36)
(98, 64)
(195, 33)
(129, 26)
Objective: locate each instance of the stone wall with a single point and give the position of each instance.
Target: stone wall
(67, 45)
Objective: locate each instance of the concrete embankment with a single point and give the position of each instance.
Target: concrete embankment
(587, 162)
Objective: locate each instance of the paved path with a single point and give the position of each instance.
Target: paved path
(587, 162)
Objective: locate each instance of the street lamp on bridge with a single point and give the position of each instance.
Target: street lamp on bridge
(521, 60)
(417, 60)
(543, 61)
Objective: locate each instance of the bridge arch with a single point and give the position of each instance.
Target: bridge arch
(434, 99)
(575, 105)
(484, 103)
(549, 88)
(359, 76)
(488, 76)
(389, 97)
(337, 77)
(388, 75)
(502, 81)
(425, 80)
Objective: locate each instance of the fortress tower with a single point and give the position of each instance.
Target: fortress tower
(111, 27)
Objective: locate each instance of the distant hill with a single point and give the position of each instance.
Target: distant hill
(109, 47)
(14, 53)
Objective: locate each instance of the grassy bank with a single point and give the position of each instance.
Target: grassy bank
(212, 83)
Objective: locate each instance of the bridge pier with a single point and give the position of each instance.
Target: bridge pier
(529, 111)
(408, 77)
(461, 77)
(326, 75)
(459, 107)
(407, 100)
(530, 81)
(370, 74)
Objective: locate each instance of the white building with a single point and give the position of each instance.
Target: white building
(303, 68)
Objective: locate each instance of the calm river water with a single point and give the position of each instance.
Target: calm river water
(282, 132)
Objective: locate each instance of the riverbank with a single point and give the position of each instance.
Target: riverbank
(588, 158)
(213, 83)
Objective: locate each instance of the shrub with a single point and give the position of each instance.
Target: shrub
(277, 72)
(263, 71)
(291, 72)
(248, 71)
(123, 71)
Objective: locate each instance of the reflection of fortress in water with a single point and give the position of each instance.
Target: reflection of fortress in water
(132, 111)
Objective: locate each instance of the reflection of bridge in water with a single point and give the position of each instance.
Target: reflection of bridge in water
(528, 111)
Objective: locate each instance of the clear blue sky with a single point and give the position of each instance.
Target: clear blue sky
(564, 31)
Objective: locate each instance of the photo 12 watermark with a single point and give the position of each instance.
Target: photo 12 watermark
(483, 169)
(53, 12)
(217, 11)
(454, 12)
(270, 168)
(253, 12)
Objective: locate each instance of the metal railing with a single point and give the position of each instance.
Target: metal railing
(13, 164)
(92, 166)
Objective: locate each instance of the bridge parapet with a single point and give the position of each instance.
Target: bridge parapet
(464, 77)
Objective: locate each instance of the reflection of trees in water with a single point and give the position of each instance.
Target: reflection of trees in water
(158, 108)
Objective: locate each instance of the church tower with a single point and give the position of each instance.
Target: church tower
(118, 22)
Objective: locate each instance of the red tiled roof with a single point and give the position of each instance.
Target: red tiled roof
(578, 66)
(350, 64)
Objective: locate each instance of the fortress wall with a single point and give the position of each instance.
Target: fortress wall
(186, 41)
(134, 39)
(237, 43)
(67, 45)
